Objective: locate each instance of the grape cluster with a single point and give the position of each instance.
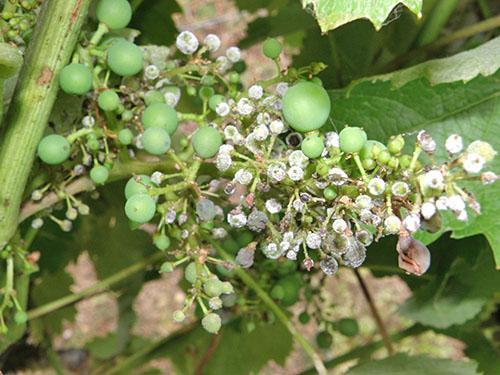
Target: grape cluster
(264, 164)
(17, 21)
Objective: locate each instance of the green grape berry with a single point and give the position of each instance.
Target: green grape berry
(153, 96)
(125, 136)
(99, 174)
(191, 272)
(156, 141)
(125, 58)
(127, 115)
(383, 157)
(405, 161)
(324, 339)
(313, 146)
(348, 327)
(329, 193)
(368, 164)
(234, 77)
(215, 100)
(75, 79)
(304, 317)
(191, 90)
(306, 106)
(206, 142)
(161, 241)
(140, 208)
(108, 100)
(116, 14)
(352, 139)
(206, 92)
(213, 287)
(371, 149)
(167, 267)
(160, 115)
(138, 187)
(179, 316)
(208, 80)
(54, 149)
(287, 289)
(211, 322)
(396, 144)
(271, 48)
(20, 317)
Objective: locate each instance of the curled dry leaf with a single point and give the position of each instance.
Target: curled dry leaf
(414, 257)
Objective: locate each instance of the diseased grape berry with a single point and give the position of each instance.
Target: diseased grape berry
(125, 58)
(313, 146)
(160, 115)
(206, 142)
(140, 208)
(271, 48)
(75, 79)
(156, 141)
(134, 187)
(352, 139)
(54, 149)
(347, 326)
(125, 136)
(211, 322)
(324, 339)
(161, 241)
(116, 14)
(306, 106)
(99, 174)
(108, 100)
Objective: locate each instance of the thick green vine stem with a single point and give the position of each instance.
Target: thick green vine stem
(55, 37)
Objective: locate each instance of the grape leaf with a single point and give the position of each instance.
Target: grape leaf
(470, 109)
(414, 365)
(334, 13)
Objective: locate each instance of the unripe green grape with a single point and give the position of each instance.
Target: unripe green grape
(156, 141)
(179, 316)
(324, 339)
(313, 146)
(167, 267)
(125, 58)
(368, 164)
(396, 144)
(190, 273)
(191, 91)
(234, 77)
(227, 287)
(278, 292)
(20, 317)
(352, 139)
(404, 161)
(153, 96)
(208, 80)
(206, 92)
(211, 322)
(322, 168)
(271, 48)
(161, 241)
(371, 149)
(393, 162)
(304, 317)
(244, 238)
(348, 327)
(206, 142)
(213, 287)
(99, 174)
(317, 81)
(134, 187)
(214, 101)
(306, 106)
(240, 66)
(329, 193)
(383, 157)
(290, 286)
(108, 100)
(93, 144)
(140, 208)
(54, 149)
(125, 136)
(160, 115)
(116, 14)
(127, 115)
(75, 79)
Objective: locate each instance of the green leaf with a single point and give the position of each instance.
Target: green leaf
(464, 66)
(415, 365)
(470, 109)
(334, 13)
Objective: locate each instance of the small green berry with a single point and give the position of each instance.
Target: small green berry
(324, 340)
(108, 100)
(125, 58)
(167, 267)
(156, 141)
(352, 139)
(211, 322)
(54, 149)
(140, 208)
(313, 146)
(271, 48)
(125, 136)
(138, 187)
(75, 79)
(116, 14)
(348, 327)
(206, 142)
(160, 115)
(99, 174)
(161, 241)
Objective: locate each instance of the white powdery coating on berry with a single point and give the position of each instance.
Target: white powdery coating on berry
(482, 148)
(462, 215)
(223, 161)
(223, 64)
(455, 203)
(88, 121)
(233, 54)
(332, 140)
(273, 206)
(187, 42)
(473, 163)
(400, 189)
(231, 132)
(339, 226)
(255, 92)
(442, 203)
(376, 186)
(271, 250)
(454, 144)
(243, 176)
(488, 177)
(277, 127)
(236, 219)
(426, 142)
(219, 233)
(337, 176)
(151, 72)
(295, 173)
(171, 98)
(277, 171)
(298, 158)
(433, 180)
(226, 149)
(261, 132)
(292, 255)
(428, 210)
(313, 240)
(244, 107)
(263, 118)
(212, 42)
(411, 223)
(392, 224)
(281, 88)
(329, 266)
(36, 195)
(37, 223)
(298, 205)
(363, 202)
(222, 109)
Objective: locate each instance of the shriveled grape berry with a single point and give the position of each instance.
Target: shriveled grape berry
(352, 139)
(306, 106)
(271, 48)
(75, 79)
(206, 142)
(211, 322)
(108, 100)
(115, 14)
(140, 208)
(160, 115)
(125, 136)
(313, 146)
(125, 58)
(54, 149)
(99, 174)
(156, 141)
